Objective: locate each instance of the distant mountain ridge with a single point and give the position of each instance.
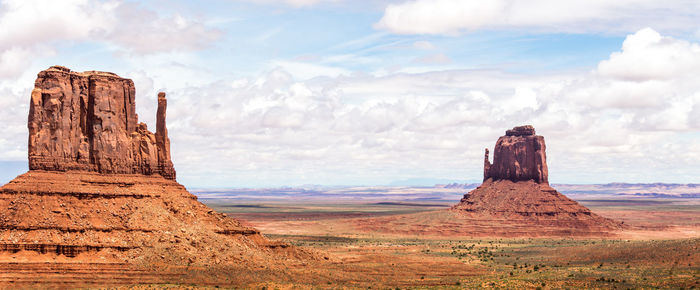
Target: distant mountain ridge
(449, 191)
(618, 184)
(458, 185)
(658, 189)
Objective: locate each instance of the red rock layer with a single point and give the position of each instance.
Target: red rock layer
(531, 202)
(87, 121)
(129, 216)
(518, 156)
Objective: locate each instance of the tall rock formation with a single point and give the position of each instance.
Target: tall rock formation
(516, 190)
(87, 121)
(518, 156)
(102, 187)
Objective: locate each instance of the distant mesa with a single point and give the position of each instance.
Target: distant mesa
(516, 189)
(100, 183)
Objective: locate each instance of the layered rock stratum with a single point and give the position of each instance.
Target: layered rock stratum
(516, 189)
(101, 188)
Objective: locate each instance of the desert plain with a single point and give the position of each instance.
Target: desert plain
(408, 238)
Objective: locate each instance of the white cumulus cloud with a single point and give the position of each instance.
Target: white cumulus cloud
(282, 128)
(437, 123)
(646, 55)
(32, 28)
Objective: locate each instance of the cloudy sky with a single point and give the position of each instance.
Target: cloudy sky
(266, 93)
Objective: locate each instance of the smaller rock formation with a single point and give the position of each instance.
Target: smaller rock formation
(516, 191)
(165, 165)
(487, 164)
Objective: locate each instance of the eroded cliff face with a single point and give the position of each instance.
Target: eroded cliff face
(87, 121)
(518, 156)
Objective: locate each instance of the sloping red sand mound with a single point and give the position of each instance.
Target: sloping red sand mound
(133, 218)
(530, 202)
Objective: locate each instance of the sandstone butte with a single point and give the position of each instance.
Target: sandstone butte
(516, 191)
(88, 122)
(102, 188)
